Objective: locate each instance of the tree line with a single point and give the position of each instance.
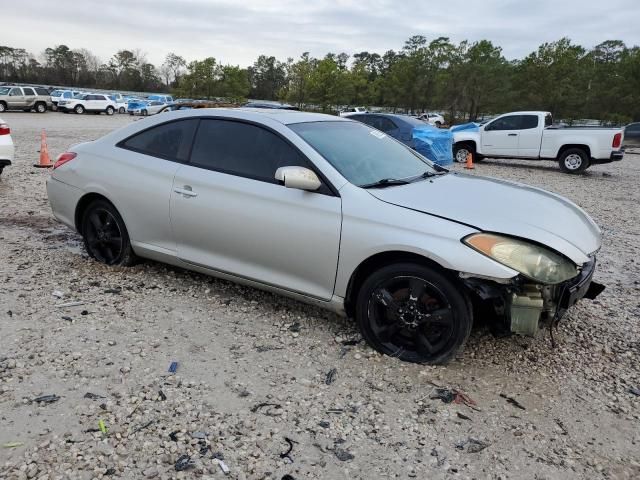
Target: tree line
(464, 80)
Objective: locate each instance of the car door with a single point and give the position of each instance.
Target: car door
(500, 137)
(101, 102)
(142, 178)
(529, 136)
(16, 98)
(29, 96)
(229, 214)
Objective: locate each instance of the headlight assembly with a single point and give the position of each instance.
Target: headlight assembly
(533, 261)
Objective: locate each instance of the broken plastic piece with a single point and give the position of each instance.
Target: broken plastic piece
(331, 376)
(163, 397)
(173, 367)
(183, 463)
(47, 399)
(223, 466)
(513, 401)
(102, 426)
(635, 391)
(92, 396)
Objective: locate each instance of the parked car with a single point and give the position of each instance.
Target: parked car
(352, 111)
(120, 102)
(268, 104)
(160, 98)
(6, 146)
(330, 212)
(23, 98)
(175, 106)
(58, 95)
(434, 119)
(89, 102)
(531, 136)
(632, 135)
(146, 108)
(397, 126)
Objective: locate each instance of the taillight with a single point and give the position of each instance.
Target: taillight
(4, 129)
(617, 140)
(64, 158)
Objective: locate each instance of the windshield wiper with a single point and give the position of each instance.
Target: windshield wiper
(385, 182)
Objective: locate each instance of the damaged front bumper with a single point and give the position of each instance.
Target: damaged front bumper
(523, 306)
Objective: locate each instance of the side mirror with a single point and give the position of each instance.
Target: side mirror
(298, 177)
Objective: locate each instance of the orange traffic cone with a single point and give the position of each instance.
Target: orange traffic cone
(469, 164)
(45, 161)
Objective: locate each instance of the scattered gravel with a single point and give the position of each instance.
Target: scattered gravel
(260, 375)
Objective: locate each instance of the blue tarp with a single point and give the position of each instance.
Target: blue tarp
(434, 143)
(465, 126)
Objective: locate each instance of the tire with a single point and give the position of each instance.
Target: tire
(573, 160)
(110, 111)
(121, 110)
(144, 113)
(105, 235)
(3, 107)
(460, 152)
(41, 108)
(79, 109)
(430, 328)
(438, 123)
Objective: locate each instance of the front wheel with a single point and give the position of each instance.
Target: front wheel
(41, 108)
(3, 107)
(79, 109)
(460, 153)
(121, 110)
(573, 160)
(414, 313)
(105, 235)
(144, 113)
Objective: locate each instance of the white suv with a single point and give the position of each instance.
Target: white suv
(90, 102)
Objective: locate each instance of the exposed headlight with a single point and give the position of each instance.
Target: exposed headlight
(533, 261)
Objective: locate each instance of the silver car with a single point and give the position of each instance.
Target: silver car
(331, 212)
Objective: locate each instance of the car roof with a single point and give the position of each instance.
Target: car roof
(286, 117)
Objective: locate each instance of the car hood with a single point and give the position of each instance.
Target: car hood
(494, 205)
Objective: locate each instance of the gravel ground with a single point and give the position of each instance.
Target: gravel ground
(253, 380)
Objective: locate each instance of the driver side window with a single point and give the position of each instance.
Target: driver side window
(510, 122)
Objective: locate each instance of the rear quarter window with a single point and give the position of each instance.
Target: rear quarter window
(170, 141)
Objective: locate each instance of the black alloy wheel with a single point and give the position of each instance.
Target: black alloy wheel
(413, 313)
(105, 235)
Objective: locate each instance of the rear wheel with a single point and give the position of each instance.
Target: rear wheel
(3, 107)
(110, 110)
(79, 109)
(105, 235)
(414, 313)
(573, 160)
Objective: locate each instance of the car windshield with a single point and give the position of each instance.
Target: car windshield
(363, 155)
(80, 96)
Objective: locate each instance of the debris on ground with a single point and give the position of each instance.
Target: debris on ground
(343, 455)
(223, 466)
(513, 401)
(471, 445)
(331, 376)
(102, 426)
(173, 367)
(57, 294)
(289, 449)
(183, 463)
(635, 391)
(12, 444)
(259, 406)
(439, 460)
(110, 471)
(199, 435)
(46, 399)
(69, 304)
(92, 396)
(162, 396)
(462, 416)
(449, 395)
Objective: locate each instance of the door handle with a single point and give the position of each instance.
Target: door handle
(512, 134)
(186, 191)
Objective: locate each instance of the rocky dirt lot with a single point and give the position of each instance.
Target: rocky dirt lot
(269, 388)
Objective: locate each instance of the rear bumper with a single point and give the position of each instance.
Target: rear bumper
(63, 199)
(615, 156)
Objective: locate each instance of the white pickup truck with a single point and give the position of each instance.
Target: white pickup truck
(531, 136)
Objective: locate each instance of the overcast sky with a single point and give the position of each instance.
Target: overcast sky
(238, 31)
